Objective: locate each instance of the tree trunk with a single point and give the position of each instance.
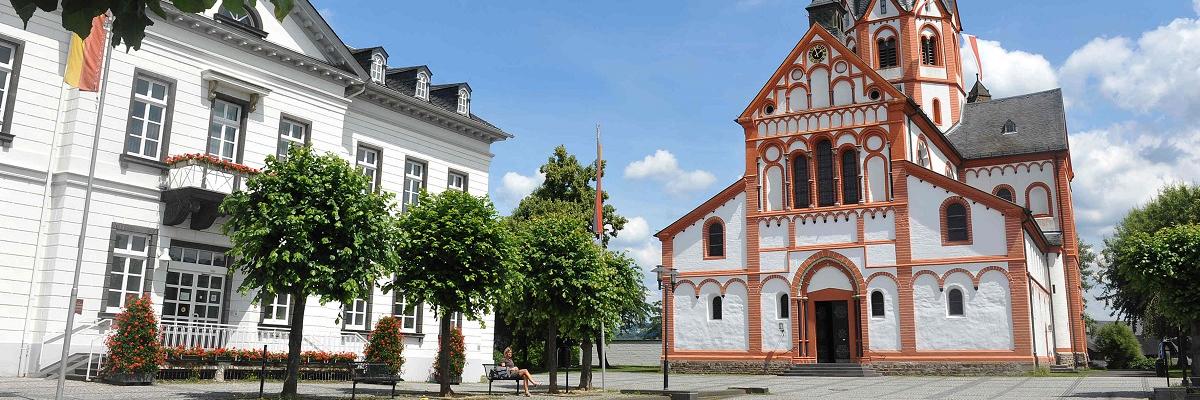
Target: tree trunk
(295, 342)
(1195, 351)
(552, 352)
(585, 365)
(601, 355)
(444, 352)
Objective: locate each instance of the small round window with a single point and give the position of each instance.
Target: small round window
(874, 94)
(769, 109)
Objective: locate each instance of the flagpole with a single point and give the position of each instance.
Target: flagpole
(600, 238)
(87, 204)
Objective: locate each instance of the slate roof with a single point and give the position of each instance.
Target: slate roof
(859, 7)
(1040, 119)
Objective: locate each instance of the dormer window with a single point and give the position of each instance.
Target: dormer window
(377, 68)
(464, 102)
(1009, 127)
(883, 7)
(422, 91)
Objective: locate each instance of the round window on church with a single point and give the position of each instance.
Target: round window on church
(874, 94)
(769, 109)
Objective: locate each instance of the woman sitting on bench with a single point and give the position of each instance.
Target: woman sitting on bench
(515, 372)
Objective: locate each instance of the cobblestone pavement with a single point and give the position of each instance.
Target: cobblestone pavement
(1094, 386)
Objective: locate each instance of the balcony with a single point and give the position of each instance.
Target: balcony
(196, 184)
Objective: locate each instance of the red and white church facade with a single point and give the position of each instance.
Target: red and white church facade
(887, 216)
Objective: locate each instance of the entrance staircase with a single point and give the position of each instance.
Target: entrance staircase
(830, 369)
(77, 367)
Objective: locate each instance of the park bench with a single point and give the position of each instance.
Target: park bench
(500, 373)
(372, 373)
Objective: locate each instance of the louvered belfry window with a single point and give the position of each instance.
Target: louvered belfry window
(887, 53)
(929, 50)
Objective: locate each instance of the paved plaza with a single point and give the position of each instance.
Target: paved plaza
(1095, 386)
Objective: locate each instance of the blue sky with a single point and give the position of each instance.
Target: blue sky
(665, 79)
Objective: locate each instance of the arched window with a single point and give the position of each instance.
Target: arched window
(422, 90)
(716, 307)
(937, 111)
(954, 302)
(887, 52)
(929, 50)
(826, 193)
(784, 306)
(1004, 193)
(877, 304)
(956, 223)
(801, 193)
(850, 189)
(923, 154)
(715, 239)
(464, 102)
(377, 68)
(248, 19)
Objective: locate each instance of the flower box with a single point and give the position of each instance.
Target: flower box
(130, 378)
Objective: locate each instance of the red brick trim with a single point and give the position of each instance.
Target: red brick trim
(888, 275)
(935, 276)
(1011, 191)
(942, 216)
(821, 259)
(727, 194)
(979, 275)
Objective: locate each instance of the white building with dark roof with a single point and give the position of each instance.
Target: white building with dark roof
(238, 88)
(887, 217)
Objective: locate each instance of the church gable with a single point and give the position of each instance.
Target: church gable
(819, 73)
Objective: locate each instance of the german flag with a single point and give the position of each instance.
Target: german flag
(85, 57)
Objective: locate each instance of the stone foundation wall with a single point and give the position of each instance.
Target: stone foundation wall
(1076, 359)
(752, 367)
(951, 368)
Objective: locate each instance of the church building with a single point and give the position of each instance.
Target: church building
(888, 216)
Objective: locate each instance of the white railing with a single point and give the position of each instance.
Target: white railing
(213, 336)
(93, 355)
(199, 174)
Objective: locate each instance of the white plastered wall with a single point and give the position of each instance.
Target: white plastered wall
(696, 330)
(925, 201)
(776, 331)
(689, 243)
(987, 320)
(884, 332)
(1019, 177)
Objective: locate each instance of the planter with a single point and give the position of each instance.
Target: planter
(130, 378)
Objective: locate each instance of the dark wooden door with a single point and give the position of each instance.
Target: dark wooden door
(833, 331)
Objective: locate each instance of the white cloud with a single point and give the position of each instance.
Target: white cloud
(1008, 72)
(663, 167)
(1156, 73)
(636, 230)
(1123, 166)
(514, 186)
(1196, 6)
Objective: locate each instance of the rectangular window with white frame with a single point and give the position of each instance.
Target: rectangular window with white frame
(368, 160)
(10, 68)
(225, 129)
(408, 312)
(150, 106)
(456, 181)
(276, 309)
(132, 254)
(354, 315)
(291, 133)
(414, 182)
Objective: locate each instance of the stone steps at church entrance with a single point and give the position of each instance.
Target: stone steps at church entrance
(830, 369)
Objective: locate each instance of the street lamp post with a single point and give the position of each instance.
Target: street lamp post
(667, 274)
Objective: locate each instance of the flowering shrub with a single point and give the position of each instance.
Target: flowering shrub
(212, 161)
(458, 356)
(134, 347)
(385, 344)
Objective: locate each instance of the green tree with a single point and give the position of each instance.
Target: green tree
(1167, 263)
(309, 225)
(620, 297)
(561, 275)
(130, 17)
(1117, 344)
(455, 255)
(1174, 205)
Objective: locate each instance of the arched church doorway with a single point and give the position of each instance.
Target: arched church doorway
(830, 321)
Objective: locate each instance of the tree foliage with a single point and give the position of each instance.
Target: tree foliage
(568, 189)
(455, 255)
(1118, 346)
(1166, 263)
(309, 225)
(130, 18)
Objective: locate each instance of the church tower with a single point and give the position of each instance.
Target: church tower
(912, 43)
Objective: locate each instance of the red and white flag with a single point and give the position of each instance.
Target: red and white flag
(974, 43)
